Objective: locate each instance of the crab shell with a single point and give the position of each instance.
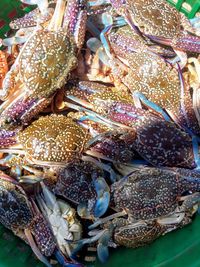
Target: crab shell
(53, 138)
(75, 182)
(151, 193)
(46, 60)
(144, 233)
(15, 209)
(129, 40)
(17, 214)
(150, 75)
(156, 18)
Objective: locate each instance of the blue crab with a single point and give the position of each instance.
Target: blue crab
(21, 215)
(157, 20)
(159, 140)
(157, 80)
(83, 184)
(155, 202)
(61, 217)
(31, 78)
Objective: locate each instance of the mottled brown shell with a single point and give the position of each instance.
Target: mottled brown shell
(54, 138)
(46, 60)
(155, 17)
(148, 193)
(151, 76)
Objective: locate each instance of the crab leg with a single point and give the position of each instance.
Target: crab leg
(104, 120)
(103, 166)
(106, 219)
(186, 43)
(35, 248)
(102, 203)
(151, 105)
(85, 241)
(57, 18)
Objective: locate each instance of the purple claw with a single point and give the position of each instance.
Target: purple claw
(7, 138)
(186, 43)
(21, 111)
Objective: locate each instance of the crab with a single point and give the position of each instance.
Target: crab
(43, 13)
(156, 202)
(52, 140)
(83, 184)
(61, 217)
(158, 139)
(157, 80)
(124, 36)
(157, 20)
(37, 75)
(21, 215)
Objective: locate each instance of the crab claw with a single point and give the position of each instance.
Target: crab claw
(103, 195)
(101, 204)
(102, 248)
(186, 43)
(7, 138)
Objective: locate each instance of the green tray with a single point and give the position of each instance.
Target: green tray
(180, 248)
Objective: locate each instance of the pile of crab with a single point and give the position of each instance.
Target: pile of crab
(99, 126)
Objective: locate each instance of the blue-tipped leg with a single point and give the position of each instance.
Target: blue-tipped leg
(85, 241)
(94, 44)
(104, 40)
(63, 262)
(151, 105)
(102, 248)
(103, 197)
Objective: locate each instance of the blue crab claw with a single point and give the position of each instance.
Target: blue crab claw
(102, 252)
(107, 19)
(94, 45)
(102, 203)
(139, 96)
(103, 197)
(85, 241)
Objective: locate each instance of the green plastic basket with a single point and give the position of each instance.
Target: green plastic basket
(180, 248)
